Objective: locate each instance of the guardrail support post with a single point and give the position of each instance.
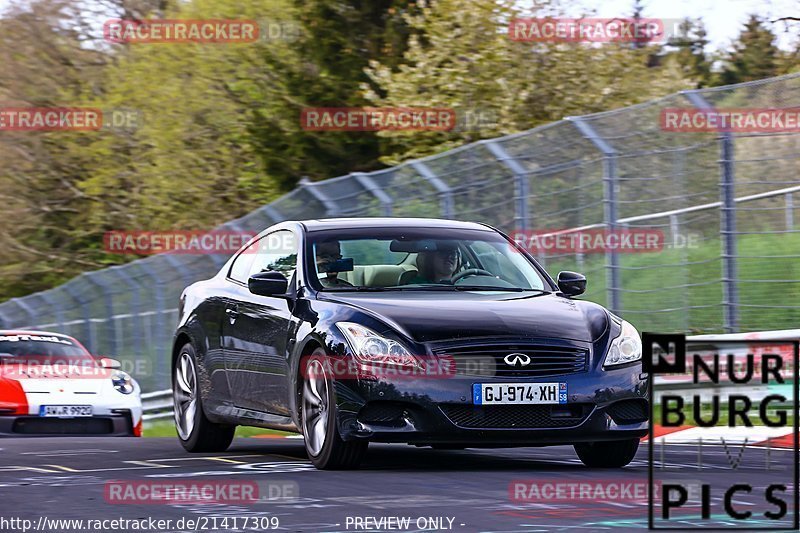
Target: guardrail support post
(610, 215)
(728, 220)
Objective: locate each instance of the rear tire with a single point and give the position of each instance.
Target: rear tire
(196, 432)
(324, 445)
(613, 454)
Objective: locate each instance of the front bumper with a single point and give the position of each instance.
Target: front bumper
(112, 425)
(602, 406)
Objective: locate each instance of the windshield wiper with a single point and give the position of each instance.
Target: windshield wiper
(354, 289)
(486, 288)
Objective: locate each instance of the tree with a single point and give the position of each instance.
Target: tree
(688, 51)
(460, 56)
(325, 68)
(754, 56)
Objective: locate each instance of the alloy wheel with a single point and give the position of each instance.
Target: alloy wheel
(315, 407)
(185, 396)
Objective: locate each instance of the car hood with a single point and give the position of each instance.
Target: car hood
(47, 379)
(438, 316)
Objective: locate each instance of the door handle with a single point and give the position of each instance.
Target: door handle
(232, 313)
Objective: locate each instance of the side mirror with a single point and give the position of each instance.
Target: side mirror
(268, 284)
(571, 283)
(107, 362)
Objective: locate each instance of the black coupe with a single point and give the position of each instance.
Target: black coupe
(422, 331)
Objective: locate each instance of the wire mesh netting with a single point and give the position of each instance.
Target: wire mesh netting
(727, 204)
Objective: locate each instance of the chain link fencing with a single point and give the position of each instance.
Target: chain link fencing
(724, 202)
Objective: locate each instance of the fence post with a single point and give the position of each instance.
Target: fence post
(19, 302)
(109, 301)
(159, 346)
(273, 213)
(728, 220)
(789, 211)
(610, 215)
(522, 188)
(370, 185)
(441, 187)
(89, 340)
(331, 208)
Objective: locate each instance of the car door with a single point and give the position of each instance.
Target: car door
(257, 328)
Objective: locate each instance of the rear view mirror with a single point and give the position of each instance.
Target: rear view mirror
(571, 283)
(268, 284)
(344, 264)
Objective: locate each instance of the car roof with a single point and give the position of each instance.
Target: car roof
(388, 222)
(33, 332)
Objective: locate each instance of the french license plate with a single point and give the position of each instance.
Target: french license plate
(519, 393)
(65, 410)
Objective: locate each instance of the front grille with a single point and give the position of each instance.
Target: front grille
(516, 416)
(488, 360)
(63, 426)
(629, 411)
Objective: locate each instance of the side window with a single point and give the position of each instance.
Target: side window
(241, 266)
(276, 251)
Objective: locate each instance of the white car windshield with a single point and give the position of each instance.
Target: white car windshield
(42, 349)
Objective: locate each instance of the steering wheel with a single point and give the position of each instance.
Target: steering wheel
(471, 272)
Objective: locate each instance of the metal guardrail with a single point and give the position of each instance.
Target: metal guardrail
(158, 404)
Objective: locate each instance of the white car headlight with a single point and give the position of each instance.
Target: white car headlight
(122, 382)
(372, 348)
(626, 348)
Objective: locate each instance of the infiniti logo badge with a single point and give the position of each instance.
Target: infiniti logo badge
(517, 359)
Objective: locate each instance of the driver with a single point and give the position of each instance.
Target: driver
(328, 252)
(437, 266)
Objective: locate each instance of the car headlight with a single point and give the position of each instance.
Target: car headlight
(626, 348)
(372, 348)
(122, 382)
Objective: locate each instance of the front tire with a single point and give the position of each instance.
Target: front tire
(324, 445)
(614, 454)
(196, 432)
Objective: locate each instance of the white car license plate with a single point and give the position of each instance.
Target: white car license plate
(519, 393)
(65, 410)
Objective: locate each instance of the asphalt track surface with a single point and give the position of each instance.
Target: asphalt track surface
(65, 478)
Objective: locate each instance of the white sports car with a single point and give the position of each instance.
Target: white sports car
(51, 385)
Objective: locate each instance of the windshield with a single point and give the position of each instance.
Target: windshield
(419, 259)
(42, 349)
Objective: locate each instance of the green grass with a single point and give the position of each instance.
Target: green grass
(653, 282)
(166, 428)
